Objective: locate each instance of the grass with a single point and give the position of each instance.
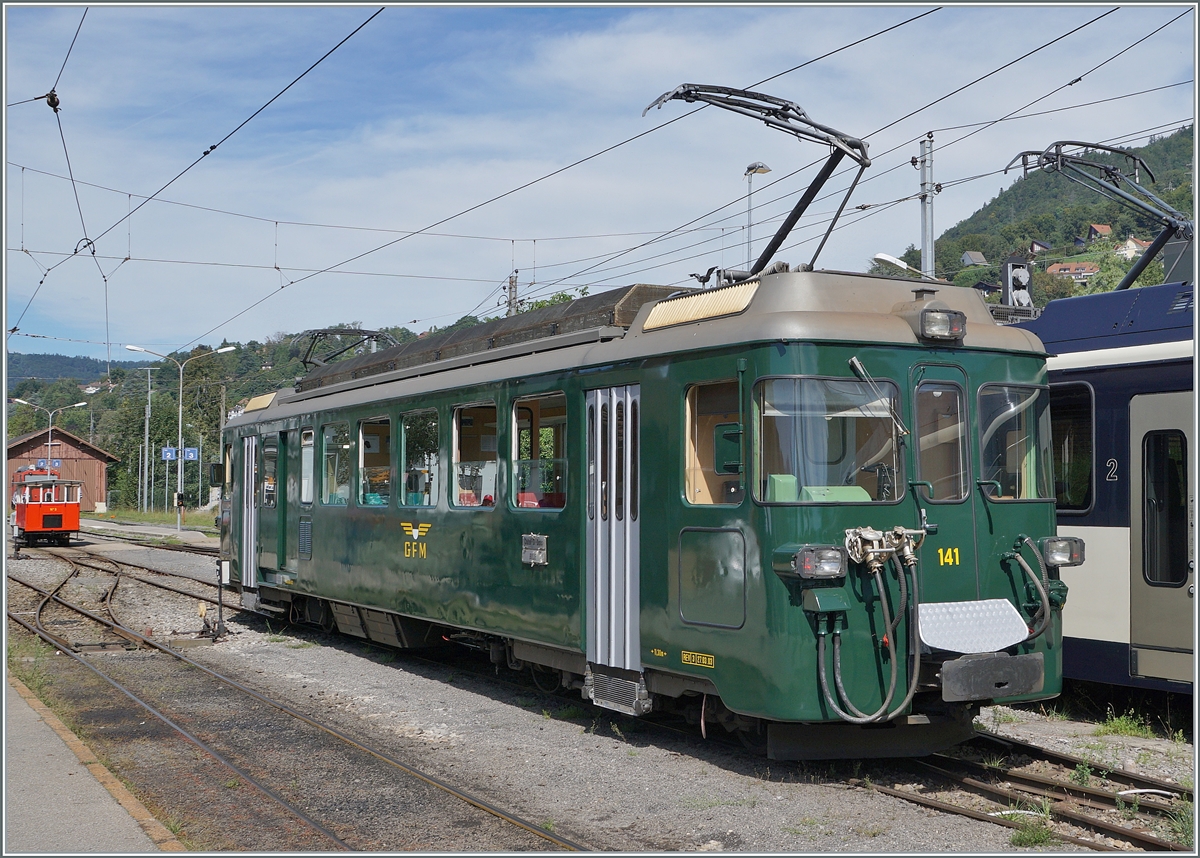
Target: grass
(202, 521)
(300, 644)
(27, 660)
(548, 825)
(871, 831)
(1033, 826)
(807, 821)
(1082, 775)
(1129, 724)
(569, 712)
(1000, 715)
(1182, 824)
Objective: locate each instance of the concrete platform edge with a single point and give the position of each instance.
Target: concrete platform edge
(155, 830)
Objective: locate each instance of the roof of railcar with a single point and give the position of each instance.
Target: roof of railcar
(1131, 317)
(817, 306)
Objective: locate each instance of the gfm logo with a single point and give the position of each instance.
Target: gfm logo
(415, 547)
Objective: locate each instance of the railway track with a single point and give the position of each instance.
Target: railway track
(1006, 782)
(1012, 783)
(149, 543)
(48, 621)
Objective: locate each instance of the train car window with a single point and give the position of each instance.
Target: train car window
(375, 462)
(475, 461)
(713, 454)
(826, 441)
(1165, 508)
(306, 465)
(1014, 433)
(335, 472)
(422, 472)
(539, 460)
(633, 460)
(1072, 418)
(942, 441)
(228, 478)
(591, 462)
(269, 471)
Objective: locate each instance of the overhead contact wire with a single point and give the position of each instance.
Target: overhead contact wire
(507, 193)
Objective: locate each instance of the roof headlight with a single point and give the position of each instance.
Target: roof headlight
(1062, 550)
(943, 324)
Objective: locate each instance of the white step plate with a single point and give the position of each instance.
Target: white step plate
(967, 627)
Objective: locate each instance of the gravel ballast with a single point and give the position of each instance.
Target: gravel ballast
(595, 777)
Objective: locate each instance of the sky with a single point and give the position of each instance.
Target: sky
(367, 191)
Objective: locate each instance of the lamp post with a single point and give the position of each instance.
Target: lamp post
(179, 448)
(756, 167)
(50, 429)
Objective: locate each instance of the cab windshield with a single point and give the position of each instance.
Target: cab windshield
(826, 441)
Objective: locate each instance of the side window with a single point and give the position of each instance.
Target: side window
(269, 471)
(714, 444)
(591, 462)
(942, 440)
(375, 462)
(306, 465)
(1165, 501)
(335, 472)
(227, 481)
(474, 461)
(1014, 441)
(1071, 427)
(539, 461)
(422, 475)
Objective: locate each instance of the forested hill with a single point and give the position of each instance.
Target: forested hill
(1052, 209)
(39, 366)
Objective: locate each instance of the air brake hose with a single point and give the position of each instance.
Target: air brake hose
(891, 645)
(1041, 568)
(914, 641)
(1042, 617)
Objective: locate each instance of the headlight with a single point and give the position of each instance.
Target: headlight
(1062, 550)
(943, 324)
(811, 562)
(821, 561)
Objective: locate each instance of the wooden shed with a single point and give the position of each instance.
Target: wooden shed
(79, 459)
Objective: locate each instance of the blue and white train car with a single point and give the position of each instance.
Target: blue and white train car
(1123, 411)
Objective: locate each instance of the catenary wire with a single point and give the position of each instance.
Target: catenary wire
(503, 195)
(203, 156)
(71, 48)
(960, 89)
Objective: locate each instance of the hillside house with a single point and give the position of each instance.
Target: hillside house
(973, 257)
(1080, 272)
(1099, 230)
(77, 460)
(1036, 247)
(1131, 248)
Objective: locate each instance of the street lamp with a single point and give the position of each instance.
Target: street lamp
(50, 430)
(179, 449)
(757, 167)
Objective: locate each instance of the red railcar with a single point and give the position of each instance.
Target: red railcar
(45, 507)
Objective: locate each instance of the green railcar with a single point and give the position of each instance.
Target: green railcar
(812, 507)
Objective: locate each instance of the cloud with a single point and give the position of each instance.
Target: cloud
(431, 110)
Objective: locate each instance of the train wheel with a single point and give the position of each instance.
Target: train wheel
(755, 740)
